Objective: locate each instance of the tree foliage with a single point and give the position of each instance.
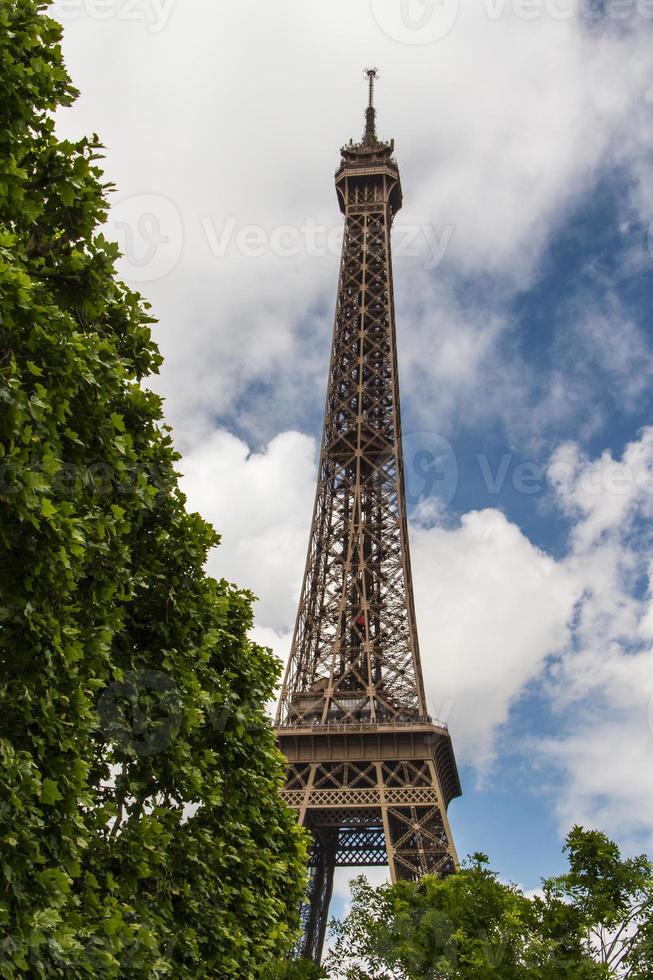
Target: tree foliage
(141, 831)
(613, 898)
(290, 969)
(595, 921)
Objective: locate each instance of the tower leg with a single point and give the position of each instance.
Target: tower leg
(417, 834)
(315, 910)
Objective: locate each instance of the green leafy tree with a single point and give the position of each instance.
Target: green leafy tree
(290, 969)
(595, 921)
(141, 830)
(612, 900)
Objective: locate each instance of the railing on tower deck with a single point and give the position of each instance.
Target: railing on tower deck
(351, 727)
(362, 164)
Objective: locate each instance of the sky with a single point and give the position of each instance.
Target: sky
(523, 264)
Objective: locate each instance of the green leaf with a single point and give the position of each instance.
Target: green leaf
(50, 792)
(48, 509)
(112, 925)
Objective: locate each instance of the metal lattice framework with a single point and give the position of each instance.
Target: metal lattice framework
(368, 772)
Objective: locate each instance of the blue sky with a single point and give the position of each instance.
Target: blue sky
(524, 288)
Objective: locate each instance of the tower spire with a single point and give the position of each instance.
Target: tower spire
(370, 112)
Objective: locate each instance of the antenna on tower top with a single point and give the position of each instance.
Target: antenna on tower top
(372, 74)
(370, 112)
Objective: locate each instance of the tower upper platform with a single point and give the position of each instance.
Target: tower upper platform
(370, 158)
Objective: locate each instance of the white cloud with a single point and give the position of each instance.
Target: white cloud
(623, 354)
(261, 504)
(606, 764)
(491, 608)
(605, 495)
(342, 877)
(603, 686)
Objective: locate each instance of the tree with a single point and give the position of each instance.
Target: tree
(613, 898)
(595, 921)
(141, 829)
(290, 969)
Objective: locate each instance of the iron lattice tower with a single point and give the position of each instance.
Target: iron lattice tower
(368, 772)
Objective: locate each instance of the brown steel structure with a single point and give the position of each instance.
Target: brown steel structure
(369, 773)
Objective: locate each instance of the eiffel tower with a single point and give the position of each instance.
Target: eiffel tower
(368, 772)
